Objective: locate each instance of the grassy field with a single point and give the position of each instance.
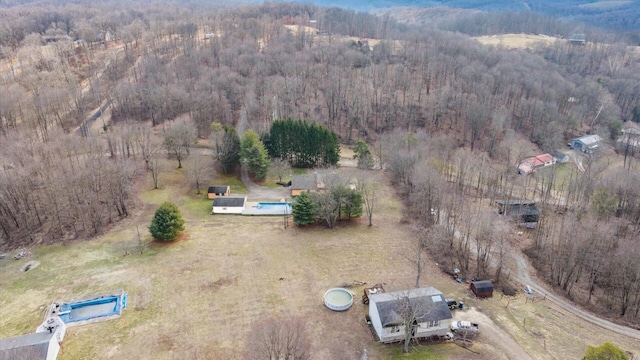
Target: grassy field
(198, 297)
(516, 41)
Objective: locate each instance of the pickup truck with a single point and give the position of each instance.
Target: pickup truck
(465, 326)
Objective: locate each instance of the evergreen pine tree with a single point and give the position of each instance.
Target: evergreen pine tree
(254, 155)
(167, 222)
(303, 209)
(229, 153)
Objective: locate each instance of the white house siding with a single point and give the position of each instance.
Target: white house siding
(227, 210)
(54, 348)
(389, 335)
(440, 329)
(375, 318)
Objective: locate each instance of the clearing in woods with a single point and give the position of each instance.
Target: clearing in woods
(197, 298)
(516, 41)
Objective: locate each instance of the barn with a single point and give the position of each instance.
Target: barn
(482, 289)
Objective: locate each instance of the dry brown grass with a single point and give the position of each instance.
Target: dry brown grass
(198, 298)
(516, 41)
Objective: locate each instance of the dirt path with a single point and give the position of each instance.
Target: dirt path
(257, 192)
(494, 336)
(576, 159)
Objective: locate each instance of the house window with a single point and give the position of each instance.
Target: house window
(430, 324)
(395, 329)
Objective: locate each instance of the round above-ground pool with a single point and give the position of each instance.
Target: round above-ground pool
(338, 299)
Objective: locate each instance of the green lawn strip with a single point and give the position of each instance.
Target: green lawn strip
(237, 187)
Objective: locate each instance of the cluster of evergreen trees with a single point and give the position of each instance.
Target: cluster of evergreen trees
(302, 144)
(336, 202)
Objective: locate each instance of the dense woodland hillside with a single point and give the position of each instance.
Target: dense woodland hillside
(619, 15)
(449, 118)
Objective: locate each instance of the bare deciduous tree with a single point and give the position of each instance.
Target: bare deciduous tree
(280, 167)
(416, 254)
(279, 339)
(178, 141)
(369, 185)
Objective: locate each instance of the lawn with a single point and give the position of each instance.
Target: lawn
(198, 297)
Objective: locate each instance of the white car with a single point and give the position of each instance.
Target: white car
(464, 326)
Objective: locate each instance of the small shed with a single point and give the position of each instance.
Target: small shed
(482, 289)
(37, 346)
(228, 204)
(586, 144)
(221, 190)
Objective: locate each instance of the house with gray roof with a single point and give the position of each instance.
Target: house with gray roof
(427, 306)
(304, 183)
(312, 183)
(37, 346)
(586, 144)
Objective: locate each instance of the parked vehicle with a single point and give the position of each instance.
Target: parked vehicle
(452, 304)
(465, 326)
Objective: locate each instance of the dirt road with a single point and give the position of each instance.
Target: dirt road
(525, 277)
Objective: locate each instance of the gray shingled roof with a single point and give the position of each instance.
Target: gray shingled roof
(483, 285)
(31, 346)
(304, 182)
(428, 303)
(229, 201)
(589, 140)
(218, 189)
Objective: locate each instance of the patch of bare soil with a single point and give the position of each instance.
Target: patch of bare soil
(492, 338)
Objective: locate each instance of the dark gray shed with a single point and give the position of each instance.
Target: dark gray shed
(214, 191)
(482, 289)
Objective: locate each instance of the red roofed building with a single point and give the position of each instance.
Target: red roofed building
(530, 164)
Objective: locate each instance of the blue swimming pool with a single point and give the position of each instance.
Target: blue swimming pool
(94, 308)
(274, 206)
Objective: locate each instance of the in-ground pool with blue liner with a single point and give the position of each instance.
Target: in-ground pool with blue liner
(269, 208)
(274, 205)
(94, 308)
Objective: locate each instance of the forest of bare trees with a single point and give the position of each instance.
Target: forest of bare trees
(584, 244)
(446, 116)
